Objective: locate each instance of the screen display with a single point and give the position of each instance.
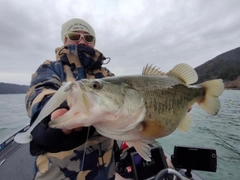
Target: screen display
(146, 169)
(195, 158)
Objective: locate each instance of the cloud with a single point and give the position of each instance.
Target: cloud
(133, 33)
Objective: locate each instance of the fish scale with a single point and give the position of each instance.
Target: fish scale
(168, 108)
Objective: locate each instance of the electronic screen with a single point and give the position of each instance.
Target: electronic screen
(195, 158)
(146, 169)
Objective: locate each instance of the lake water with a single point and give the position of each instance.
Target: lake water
(220, 132)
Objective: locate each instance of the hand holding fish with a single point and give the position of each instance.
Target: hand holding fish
(60, 112)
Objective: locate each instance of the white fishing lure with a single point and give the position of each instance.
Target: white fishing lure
(55, 101)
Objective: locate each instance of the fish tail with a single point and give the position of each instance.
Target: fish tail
(211, 103)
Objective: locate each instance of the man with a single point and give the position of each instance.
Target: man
(69, 154)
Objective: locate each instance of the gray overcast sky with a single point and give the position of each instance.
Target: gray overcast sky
(131, 32)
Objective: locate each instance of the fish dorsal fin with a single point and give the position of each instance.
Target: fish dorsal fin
(184, 72)
(151, 71)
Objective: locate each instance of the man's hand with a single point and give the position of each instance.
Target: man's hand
(60, 112)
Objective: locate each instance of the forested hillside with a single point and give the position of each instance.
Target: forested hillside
(225, 66)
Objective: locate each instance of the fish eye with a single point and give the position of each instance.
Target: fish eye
(96, 85)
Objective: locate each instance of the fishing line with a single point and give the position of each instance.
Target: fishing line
(85, 147)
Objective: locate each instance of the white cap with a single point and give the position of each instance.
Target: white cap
(76, 25)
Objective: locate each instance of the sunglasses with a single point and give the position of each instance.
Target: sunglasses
(73, 36)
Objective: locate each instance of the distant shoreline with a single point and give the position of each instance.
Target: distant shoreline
(8, 88)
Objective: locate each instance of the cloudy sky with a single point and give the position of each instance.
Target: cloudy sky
(131, 32)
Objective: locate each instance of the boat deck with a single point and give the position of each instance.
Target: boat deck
(14, 166)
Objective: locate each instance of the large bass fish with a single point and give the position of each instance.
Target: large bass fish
(138, 109)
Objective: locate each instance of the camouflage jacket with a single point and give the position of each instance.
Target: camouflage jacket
(62, 156)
